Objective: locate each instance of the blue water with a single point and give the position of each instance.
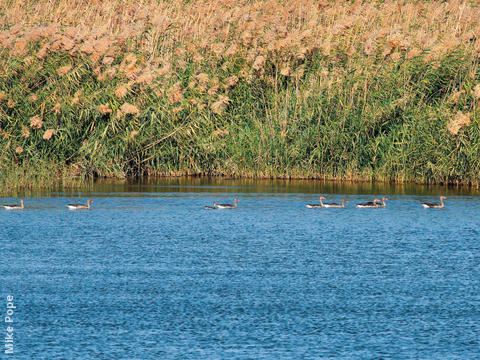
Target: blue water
(151, 275)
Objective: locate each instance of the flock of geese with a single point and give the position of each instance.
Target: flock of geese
(376, 203)
(70, 206)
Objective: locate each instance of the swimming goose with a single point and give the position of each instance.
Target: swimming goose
(316, 206)
(228, 206)
(382, 205)
(80, 206)
(14, 207)
(434, 205)
(371, 204)
(335, 205)
(211, 207)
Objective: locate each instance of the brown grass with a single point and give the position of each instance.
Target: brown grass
(476, 91)
(36, 122)
(48, 134)
(259, 31)
(105, 109)
(64, 70)
(129, 109)
(25, 132)
(460, 120)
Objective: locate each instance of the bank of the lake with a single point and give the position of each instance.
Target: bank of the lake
(344, 91)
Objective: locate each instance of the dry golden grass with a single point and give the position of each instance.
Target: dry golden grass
(175, 93)
(220, 132)
(476, 91)
(25, 132)
(76, 97)
(129, 109)
(259, 31)
(133, 134)
(64, 70)
(36, 122)
(460, 120)
(219, 106)
(105, 109)
(48, 134)
(56, 109)
(121, 91)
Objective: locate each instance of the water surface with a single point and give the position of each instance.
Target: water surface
(149, 274)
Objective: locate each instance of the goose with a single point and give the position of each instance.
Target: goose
(14, 207)
(434, 205)
(335, 205)
(228, 206)
(383, 202)
(316, 206)
(80, 206)
(211, 207)
(371, 204)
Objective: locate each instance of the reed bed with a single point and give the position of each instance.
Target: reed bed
(378, 90)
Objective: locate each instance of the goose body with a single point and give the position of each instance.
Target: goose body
(434, 205)
(211, 207)
(14, 207)
(228, 206)
(80, 206)
(335, 205)
(371, 204)
(317, 206)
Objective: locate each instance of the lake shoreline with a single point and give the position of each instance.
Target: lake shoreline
(395, 106)
(40, 182)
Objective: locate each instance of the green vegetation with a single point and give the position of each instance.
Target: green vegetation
(388, 109)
